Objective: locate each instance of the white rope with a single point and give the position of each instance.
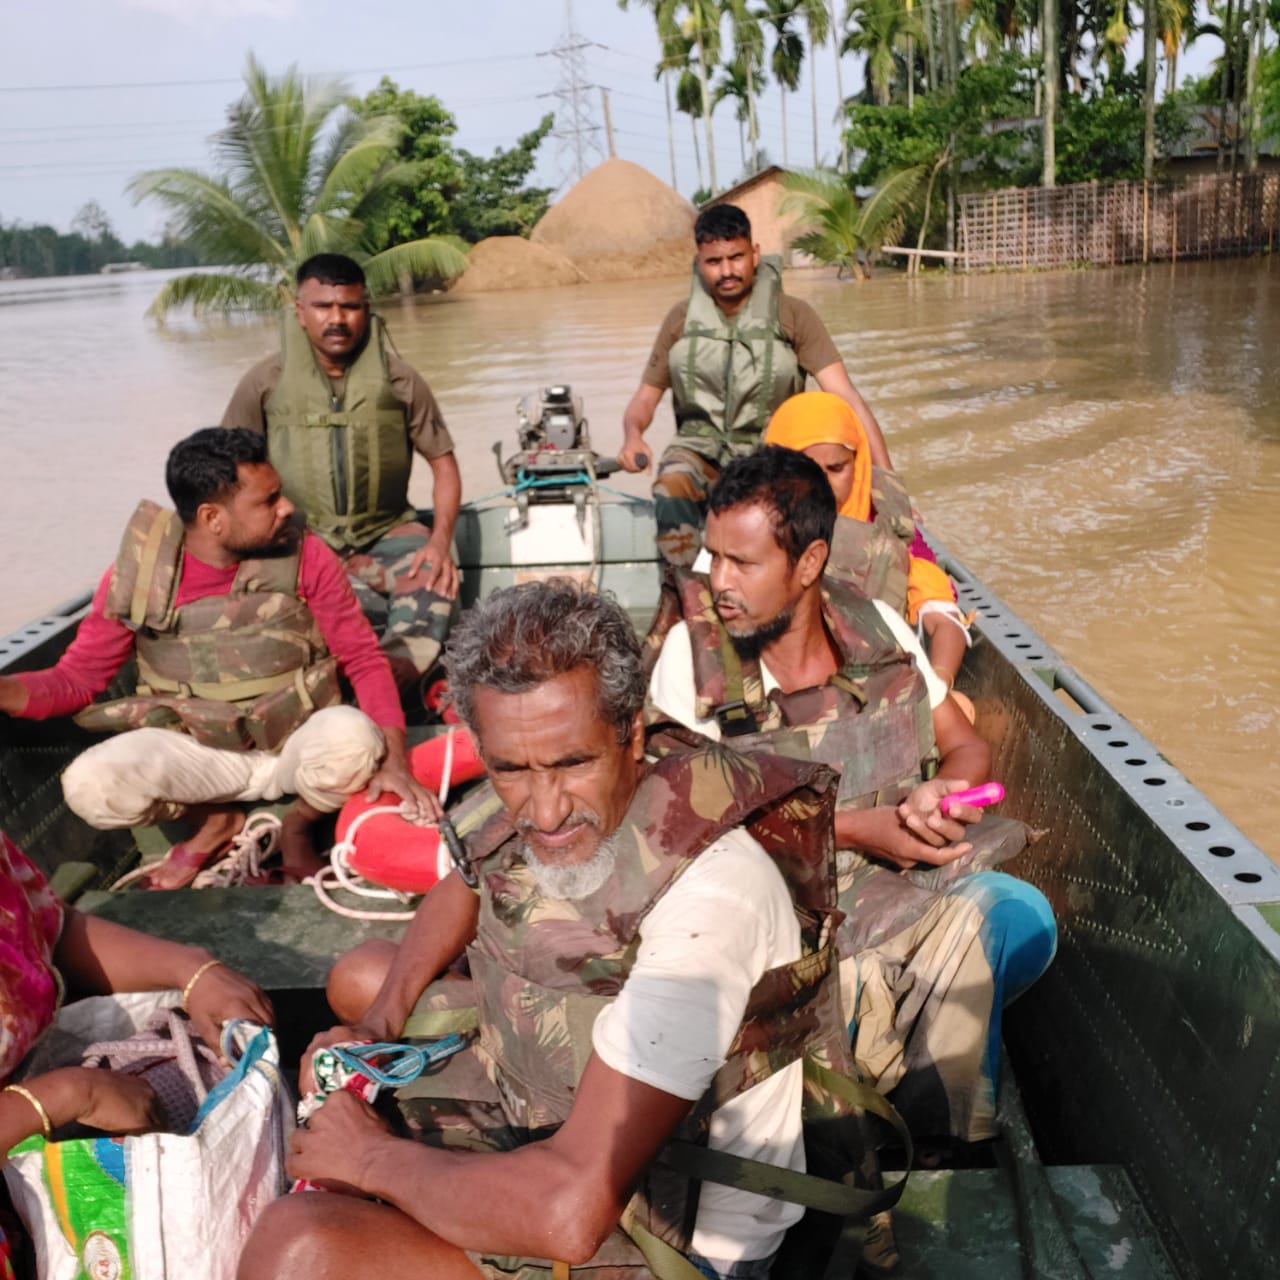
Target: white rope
(257, 840)
(447, 774)
(339, 872)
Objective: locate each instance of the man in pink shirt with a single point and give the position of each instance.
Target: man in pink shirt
(241, 624)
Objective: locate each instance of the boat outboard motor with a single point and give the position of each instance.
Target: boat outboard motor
(555, 461)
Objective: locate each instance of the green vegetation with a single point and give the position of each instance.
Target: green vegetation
(975, 94)
(841, 229)
(298, 174)
(42, 250)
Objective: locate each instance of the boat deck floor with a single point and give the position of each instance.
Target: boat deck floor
(1021, 1219)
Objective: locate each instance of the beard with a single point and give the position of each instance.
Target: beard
(577, 880)
(281, 544)
(749, 645)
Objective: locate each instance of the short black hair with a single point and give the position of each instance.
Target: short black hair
(331, 268)
(205, 467)
(790, 486)
(721, 222)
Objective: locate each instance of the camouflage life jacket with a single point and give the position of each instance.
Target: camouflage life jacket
(543, 970)
(238, 671)
(344, 457)
(871, 720)
(874, 555)
(728, 375)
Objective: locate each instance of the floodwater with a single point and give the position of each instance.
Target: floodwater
(1102, 448)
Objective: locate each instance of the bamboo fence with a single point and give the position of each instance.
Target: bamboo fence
(1103, 224)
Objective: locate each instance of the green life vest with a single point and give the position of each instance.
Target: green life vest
(871, 720)
(344, 457)
(238, 671)
(874, 555)
(728, 375)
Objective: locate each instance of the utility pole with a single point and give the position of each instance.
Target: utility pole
(608, 121)
(576, 131)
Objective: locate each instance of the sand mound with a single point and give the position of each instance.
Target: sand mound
(511, 262)
(621, 223)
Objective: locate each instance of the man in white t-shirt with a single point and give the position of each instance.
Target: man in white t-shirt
(621, 923)
(771, 654)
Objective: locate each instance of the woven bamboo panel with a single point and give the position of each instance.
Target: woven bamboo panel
(1103, 224)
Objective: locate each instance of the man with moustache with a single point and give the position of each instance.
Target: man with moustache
(766, 653)
(631, 948)
(240, 624)
(343, 416)
(731, 354)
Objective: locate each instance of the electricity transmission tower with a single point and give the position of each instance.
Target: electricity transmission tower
(577, 132)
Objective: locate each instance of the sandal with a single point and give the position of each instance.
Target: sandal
(185, 862)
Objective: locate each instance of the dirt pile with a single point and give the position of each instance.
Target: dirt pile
(512, 262)
(621, 223)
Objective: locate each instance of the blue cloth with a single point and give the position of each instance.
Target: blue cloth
(1019, 938)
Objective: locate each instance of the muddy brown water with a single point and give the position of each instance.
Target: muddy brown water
(1102, 448)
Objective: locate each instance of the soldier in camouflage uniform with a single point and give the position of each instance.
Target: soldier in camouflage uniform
(240, 624)
(731, 355)
(768, 652)
(343, 416)
(651, 975)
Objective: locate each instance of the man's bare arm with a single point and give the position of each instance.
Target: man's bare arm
(555, 1199)
(441, 928)
(635, 422)
(835, 379)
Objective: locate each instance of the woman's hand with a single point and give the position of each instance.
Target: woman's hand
(220, 995)
(98, 1098)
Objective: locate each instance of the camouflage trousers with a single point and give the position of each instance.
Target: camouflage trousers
(927, 965)
(411, 621)
(684, 479)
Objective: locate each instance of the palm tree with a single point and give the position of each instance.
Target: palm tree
(817, 24)
(884, 27)
(837, 226)
(689, 101)
(787, 57)
(748, 48)
(698, 22)
(735, 82)
(284, 193)
(672, 59)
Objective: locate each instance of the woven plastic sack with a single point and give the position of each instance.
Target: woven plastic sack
(158, 1206)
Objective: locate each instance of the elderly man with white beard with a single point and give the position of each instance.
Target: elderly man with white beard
(631, 946)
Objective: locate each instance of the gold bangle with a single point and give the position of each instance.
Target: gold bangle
(37, 1104)
(195, 977)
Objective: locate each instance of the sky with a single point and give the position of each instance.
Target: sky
(95, 91)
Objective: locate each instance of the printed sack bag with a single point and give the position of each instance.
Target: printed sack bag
(158, 1206)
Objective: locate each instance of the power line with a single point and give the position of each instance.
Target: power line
(224, 80)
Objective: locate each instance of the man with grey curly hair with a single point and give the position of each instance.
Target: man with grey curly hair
(628, 938)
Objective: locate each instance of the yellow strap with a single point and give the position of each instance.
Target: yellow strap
(228, 691)
(147, 566)
(440, 1022)
(665, 1262)
(559, 1270)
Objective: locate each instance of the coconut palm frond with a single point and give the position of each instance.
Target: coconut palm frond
(883, 213)
(206, 292)
(433, 257)
(207, 214)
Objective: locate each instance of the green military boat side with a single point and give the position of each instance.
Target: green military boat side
(1152, 1046)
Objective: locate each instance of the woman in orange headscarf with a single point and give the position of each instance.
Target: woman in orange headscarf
(826, 429)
